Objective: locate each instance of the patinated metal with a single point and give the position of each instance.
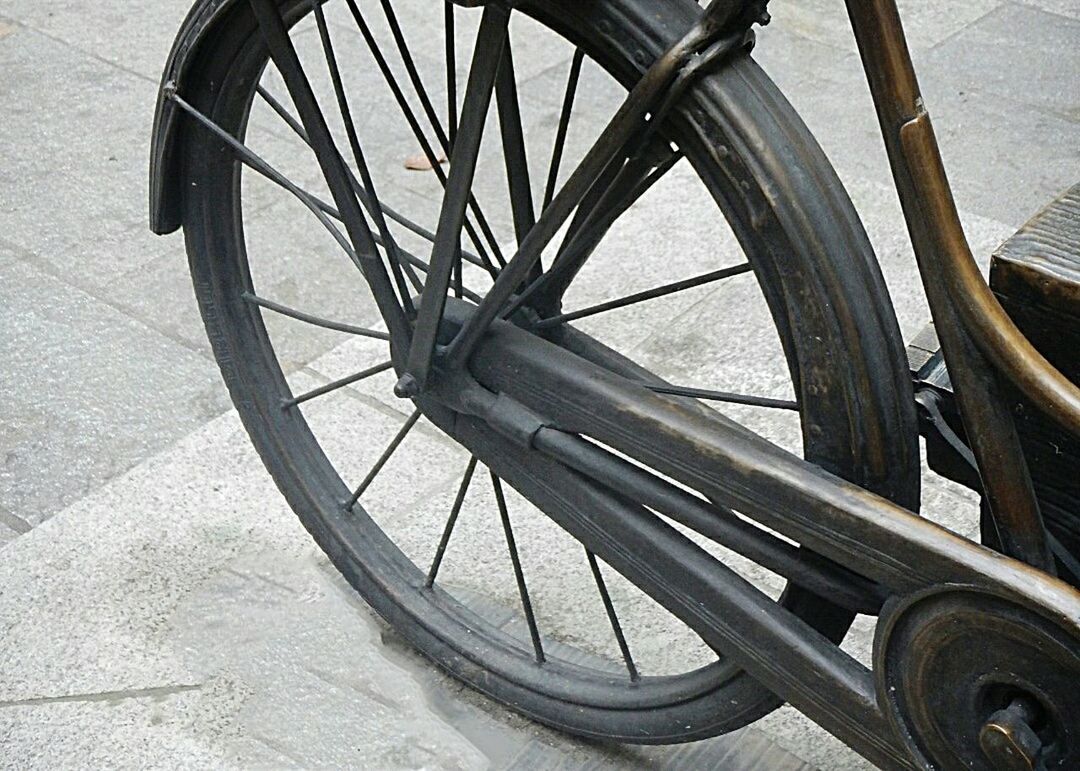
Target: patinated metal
(977, 652)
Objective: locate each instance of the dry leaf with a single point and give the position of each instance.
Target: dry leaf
(420, 162)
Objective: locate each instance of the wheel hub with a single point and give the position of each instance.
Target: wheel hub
(975, 681)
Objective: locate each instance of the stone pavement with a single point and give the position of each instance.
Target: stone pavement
(159, 604)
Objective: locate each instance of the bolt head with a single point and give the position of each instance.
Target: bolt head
(406, 387)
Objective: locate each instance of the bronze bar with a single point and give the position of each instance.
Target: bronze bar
(954, 286)
(996, 334)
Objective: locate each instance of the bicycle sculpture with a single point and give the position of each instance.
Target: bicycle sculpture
(682, 510)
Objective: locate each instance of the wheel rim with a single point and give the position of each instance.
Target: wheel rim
(559, 678)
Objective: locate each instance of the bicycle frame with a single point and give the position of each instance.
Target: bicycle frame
(574, 480)
(549, 434)
(862, 532)
(979, 340)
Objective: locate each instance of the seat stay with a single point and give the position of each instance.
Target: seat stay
(721, 29)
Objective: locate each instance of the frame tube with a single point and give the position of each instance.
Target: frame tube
(975, 333)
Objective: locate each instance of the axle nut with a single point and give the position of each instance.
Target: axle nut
(1009, 741)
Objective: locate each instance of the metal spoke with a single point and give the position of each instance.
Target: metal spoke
(433, 117)
(624, 130)
(375, 210)
(450, 35)
(292, 313)
(451, 521)
(490, 40)
(383, 459)
(542, 288)
(323, 211)
(414, 74)
(616, 627)
(334, 386)
(519, 576)
(320, 209)
(1068, 561)
(361, 192)
(446, 142)
(423, 267)
(649, 294)
(564, 126)
(450, 39)
(276, 35)
(628, 186)
(418, 132)
(283, 112)
(393, 214)
(513, 144)
(724, 396)
(615, 192)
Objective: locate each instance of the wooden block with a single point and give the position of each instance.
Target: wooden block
(1036, 276)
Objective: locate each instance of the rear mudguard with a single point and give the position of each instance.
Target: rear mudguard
(201, 21)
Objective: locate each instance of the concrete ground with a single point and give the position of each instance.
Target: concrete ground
(159, 603)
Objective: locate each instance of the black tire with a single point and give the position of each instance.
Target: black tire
(813, 262)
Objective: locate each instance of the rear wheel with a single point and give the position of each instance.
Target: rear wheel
(266, 251)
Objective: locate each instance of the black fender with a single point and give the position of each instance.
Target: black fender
(170, 122)
(167, 137)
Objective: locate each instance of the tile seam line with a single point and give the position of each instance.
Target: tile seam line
(78, 49)
(1034, 7)
(953, 35)
(103, 696)
(36, 261)
(119, 478)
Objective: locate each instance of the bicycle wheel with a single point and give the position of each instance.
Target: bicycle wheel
(836, 355)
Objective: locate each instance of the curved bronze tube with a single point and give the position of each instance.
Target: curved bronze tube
(992, 330)
(982, 346)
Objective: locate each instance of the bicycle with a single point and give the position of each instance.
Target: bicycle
(671, 503)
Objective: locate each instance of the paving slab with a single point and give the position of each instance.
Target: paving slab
(926, 23)
(1060, 7)
(212, 633)
(1036, 76)
(89, 393)
(132, 36)
(1035, 151)
(294, 262)
(73, 183)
